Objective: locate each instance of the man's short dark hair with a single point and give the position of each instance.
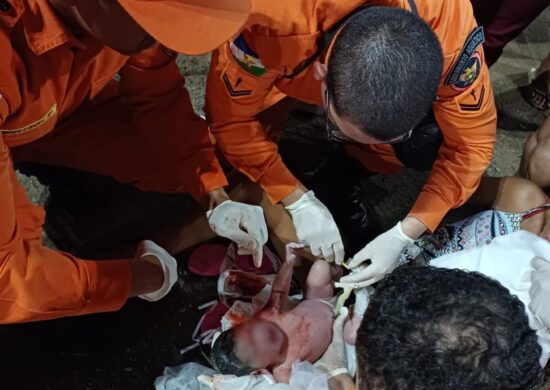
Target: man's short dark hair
(384, 70)
(223, 356)
(432, 328)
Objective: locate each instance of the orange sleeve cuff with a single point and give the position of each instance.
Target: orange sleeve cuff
(109, 284)
(430, 209)
(209, 174)
(278, 182)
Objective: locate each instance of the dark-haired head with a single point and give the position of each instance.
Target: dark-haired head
(251, 346)
(432, 328)
(382, 74)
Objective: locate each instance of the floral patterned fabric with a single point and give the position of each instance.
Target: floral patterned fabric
(475, 231)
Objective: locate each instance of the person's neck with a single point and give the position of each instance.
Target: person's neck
(67, 15)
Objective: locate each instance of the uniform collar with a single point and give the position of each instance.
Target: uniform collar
(44, 29)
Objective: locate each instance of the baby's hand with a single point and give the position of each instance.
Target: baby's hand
(292, 250)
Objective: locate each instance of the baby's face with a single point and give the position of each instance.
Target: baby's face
(259, 343)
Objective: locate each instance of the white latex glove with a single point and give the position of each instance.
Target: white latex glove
(362, 300)
(334, 362)
(383, 252)
(169, 269)
(316, 228)
(242, 223)
(540, 290)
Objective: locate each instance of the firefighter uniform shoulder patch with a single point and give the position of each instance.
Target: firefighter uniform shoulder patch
(246, 57)
(468, 65)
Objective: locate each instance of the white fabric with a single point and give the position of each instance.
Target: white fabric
(169, 269)
(362, 300)
(383, 252)
(540, 290)
(508, 260)
(243, 224)
(192, 376)
(316, 228)
(334, 358)
(183, 377)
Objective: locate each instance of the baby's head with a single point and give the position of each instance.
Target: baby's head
(535, 161)
(251, 346)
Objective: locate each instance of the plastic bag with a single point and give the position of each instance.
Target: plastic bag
(183, 377)
(193, 376)
(304, 377)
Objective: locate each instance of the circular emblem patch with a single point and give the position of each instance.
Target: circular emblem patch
(469, 74)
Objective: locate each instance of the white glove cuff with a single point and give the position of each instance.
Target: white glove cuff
(336, 372)
(169, 269)
(209, 212)
(306, 200)
(402, 236)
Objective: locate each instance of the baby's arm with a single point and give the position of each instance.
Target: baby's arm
(281, 284)
(319, 281)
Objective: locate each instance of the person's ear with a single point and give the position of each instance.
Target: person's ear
(319, 71)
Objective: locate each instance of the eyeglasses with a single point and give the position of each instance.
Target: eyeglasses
(335, 135)
(333, 132)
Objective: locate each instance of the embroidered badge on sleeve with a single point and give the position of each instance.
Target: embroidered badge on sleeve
(468, 65)
(246, 58)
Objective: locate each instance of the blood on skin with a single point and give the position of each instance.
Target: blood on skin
(246, 284)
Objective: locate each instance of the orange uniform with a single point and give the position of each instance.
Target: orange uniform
(59, 105)
(252, 72)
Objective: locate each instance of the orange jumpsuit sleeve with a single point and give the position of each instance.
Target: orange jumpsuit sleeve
(234, 97)
(467, 119)
(37, 283)
(152, 87)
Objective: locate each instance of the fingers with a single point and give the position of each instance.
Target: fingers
(362, 279)
(315, 251)
(339, 252)
(332, 253)
(244, 252)
(361, 256)
(256, 229)
(358, 285)
(368, 273)
(339, 321)
(367, 283)
(258, 256)
(338, 325)
(328, 254)
(242, 238)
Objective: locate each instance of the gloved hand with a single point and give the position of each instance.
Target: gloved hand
(362, 300)
(383, 252)
(243, 224)
(169, 269)
(540, 290)
(316, 228)
(334, 361)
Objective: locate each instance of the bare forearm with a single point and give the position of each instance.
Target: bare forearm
(341, 382)
(413, 227)
(281, 286)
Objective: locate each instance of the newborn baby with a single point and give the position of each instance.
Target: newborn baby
(275, 338)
